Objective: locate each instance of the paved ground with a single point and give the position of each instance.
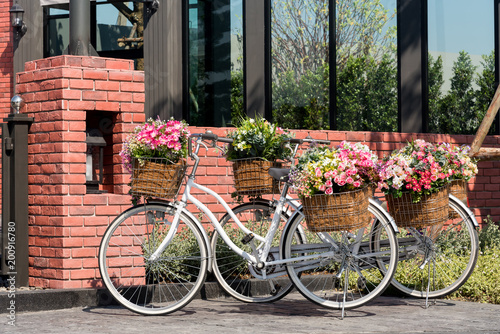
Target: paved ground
(293, 314)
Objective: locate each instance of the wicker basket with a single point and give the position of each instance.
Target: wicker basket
(338, 212)
(458, 188)
(251, 177)
(431, 210)
(153, 177)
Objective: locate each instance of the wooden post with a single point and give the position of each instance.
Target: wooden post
(485, 127)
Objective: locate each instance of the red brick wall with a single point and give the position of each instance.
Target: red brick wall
(65, 223)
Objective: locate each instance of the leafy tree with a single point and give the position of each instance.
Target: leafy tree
(300, 57)
(456, 111)
(436, 81)
(237, 100)
(362, 29)
(366, 94)
(487, 86)
(302, 104)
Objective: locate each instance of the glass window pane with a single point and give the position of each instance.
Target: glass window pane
(57, 40)
(300, 68)
(118, 33)
(366, 61)
(461, 64)
(119, 26)
(215, 61)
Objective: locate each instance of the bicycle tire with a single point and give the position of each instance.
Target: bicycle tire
(347, 276)
(453, 248)
(237, 277)
(154, 287)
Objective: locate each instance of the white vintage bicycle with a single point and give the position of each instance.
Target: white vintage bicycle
(154, 257)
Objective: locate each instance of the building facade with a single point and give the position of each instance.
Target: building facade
(183, 65)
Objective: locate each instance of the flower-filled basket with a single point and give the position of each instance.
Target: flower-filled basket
(155, 177)
(257, 146)
(155, 156)
(431, 209)
(251, 176)
(415, 180)
(338, 212)
(463, 168)
(335, 185)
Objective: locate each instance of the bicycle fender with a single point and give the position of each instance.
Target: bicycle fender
(379, 205)
(464, 207)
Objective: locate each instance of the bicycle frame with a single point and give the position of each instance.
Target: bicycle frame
(260, 259)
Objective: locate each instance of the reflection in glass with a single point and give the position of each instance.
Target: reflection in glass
(461, 64)
(118, 30)
(215, 61)
(300, 63)
(57, 30)
(366, 63)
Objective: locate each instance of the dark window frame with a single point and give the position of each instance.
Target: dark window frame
(122, 54)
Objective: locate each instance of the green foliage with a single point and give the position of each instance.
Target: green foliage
(237, 100)
(302, 102)
(436, 81)
(174, 263)
(257, 138)
(487, 86)
(367, 94)
(300, 39)
(462, 108)
(482, 286)
(489, 236)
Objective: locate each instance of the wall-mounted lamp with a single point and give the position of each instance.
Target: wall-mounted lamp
(151, 5)
(17, 20)
(95, 156)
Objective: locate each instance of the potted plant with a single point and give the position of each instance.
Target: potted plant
(155, 156)
(257, 146)
(415, 180)
(334, 185)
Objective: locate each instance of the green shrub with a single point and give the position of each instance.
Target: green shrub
(489, 236)
(483, 285)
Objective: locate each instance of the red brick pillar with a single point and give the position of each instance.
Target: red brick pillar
(64, 94)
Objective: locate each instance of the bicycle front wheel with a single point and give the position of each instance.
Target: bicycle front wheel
(341, 269)
(147, 286)
(238, 277)
(435, 261)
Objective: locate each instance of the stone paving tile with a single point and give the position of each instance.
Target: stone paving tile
(293, 314)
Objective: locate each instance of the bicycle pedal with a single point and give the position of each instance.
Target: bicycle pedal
(247, 238)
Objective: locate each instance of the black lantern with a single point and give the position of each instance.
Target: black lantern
(17, 19)
(95, 161)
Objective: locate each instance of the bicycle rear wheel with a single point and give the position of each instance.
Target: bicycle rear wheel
(146, 286)
(438, 259)
(239, 278)
(342, 268)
